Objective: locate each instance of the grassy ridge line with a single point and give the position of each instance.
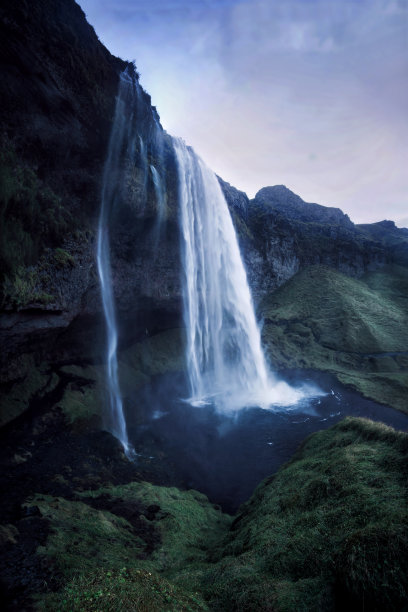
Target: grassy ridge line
(356, 329)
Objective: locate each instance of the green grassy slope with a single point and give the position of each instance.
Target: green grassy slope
(356, 329)
(328, 531)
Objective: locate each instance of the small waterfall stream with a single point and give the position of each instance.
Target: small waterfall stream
(225, 361)
(160, 192)
(119, 139)
(144, 164)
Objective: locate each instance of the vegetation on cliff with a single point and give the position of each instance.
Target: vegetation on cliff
(328, 531)
(356, 329)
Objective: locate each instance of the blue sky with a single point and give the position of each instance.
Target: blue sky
(312, 94)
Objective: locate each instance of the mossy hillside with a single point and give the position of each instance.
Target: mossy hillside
(97, 549)
(343, 313)
(83, 538)
(391, 282)
(387, 387)
(187, 523)
(356, 329)
(125, 589)
(329, 530)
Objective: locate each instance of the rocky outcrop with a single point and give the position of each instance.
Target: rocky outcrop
(238, 201)
(282, 200)
(281, 234)
(394, 239)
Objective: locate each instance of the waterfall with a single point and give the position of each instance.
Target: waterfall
(119, 139)
(144, 165)
(225, 361)
(160, 202)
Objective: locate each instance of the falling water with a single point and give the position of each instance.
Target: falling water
(118, 140)
(144, 165)
(161, 201)
(225, 361)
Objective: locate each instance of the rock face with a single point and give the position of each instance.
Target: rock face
(394, 239)
(281, 234)
(57, 104)
(238, 201)
(282, 200)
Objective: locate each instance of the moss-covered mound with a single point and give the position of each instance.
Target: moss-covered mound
(327, 532)
(116, 548)
(354, 328)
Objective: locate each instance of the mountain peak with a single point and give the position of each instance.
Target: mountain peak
(282, 199)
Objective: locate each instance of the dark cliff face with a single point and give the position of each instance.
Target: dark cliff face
(238, 201)
(57, 104)
(393, 239)
(281, 234)
(282, 200)
(57, 97)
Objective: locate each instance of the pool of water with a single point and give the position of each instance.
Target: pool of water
(227, 456)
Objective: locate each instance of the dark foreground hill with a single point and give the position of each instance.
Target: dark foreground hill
(83, 530)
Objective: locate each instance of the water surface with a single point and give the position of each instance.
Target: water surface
(227, 456)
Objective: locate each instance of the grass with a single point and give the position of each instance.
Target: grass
(328, 531)
(63, 259)
(24, 287)
(324, 320)
(188, 524)
(123, 590)
(81, 403)
(83, 538)
(101, 556)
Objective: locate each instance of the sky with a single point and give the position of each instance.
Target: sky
(312, 94)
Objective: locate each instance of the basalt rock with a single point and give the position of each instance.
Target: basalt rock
(281, 234)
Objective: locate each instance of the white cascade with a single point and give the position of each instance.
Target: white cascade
(225, 361)
(144, 165)
(160, 202)
(119, 139)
